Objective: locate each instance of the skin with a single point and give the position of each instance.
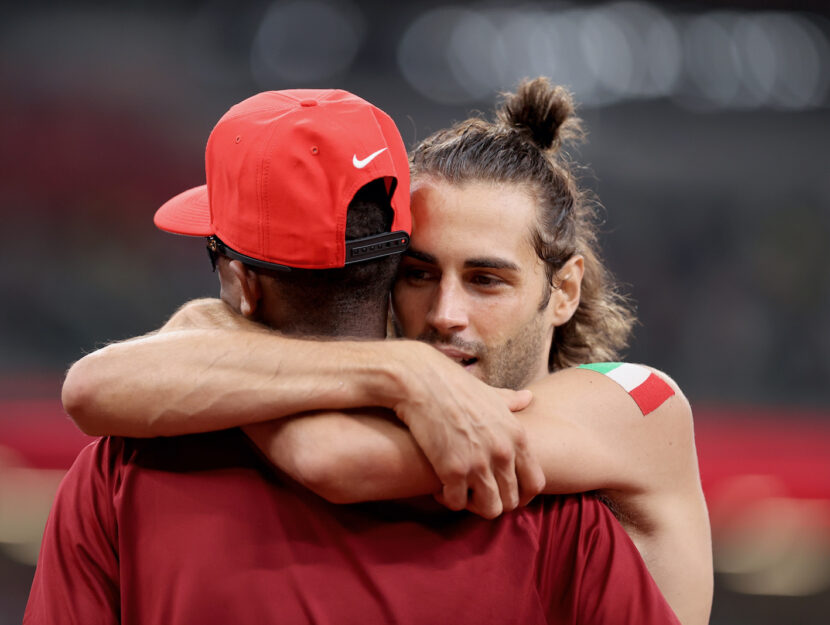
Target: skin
(492, 312)
(474, 286)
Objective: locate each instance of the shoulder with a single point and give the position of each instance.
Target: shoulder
(648, 386)
(80, 542)
(95, 477)
(83, 506)
(636, 413)
(621, 390)
(106, 459)
(99, 458)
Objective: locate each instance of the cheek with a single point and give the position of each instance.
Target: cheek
(410, 307)
(498, 319)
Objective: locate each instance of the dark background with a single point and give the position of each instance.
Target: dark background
(709, 147)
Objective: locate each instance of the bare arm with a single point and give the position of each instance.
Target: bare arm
(587, 433)
(584, 428)
(208, 368)
(644, 465)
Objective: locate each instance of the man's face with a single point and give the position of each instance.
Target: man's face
(472, 285)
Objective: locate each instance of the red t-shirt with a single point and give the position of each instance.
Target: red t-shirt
(199, 529)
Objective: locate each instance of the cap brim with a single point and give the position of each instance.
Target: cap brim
(187, 213)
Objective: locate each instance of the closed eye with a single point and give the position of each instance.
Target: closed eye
(416, 274)
(486, 280)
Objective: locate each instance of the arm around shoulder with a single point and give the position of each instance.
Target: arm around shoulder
(209, 369)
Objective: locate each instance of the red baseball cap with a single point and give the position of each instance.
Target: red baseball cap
(282, 167)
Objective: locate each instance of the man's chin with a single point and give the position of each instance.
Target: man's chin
(476, 369)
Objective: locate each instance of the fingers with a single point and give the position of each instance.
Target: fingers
(497, 487)
(531, 477)
(491, 487)
(510, 477)
(454, 494)
(502, 489)
(486, 491)
(472, 439)
(516, 400)
(508, 486)
(529, 472)
(486, 498)
(478, 490)
(494, 475)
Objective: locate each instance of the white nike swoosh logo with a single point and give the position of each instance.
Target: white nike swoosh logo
(361, 164)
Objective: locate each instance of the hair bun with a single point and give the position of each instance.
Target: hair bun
(542, 113)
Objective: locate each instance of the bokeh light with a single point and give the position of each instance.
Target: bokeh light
(305, 42)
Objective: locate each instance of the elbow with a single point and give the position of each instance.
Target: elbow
(315, 459)
(334, 493)
(79, 396)
(333, 455)
(83, 396)
(325, 476)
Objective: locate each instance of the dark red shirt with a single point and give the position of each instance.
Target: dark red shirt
(199, 529)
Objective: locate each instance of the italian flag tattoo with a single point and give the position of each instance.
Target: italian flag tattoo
(647, 388)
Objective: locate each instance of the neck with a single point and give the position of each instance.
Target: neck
(371, 325)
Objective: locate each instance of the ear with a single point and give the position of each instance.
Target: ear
(241, 288)
(567, 290)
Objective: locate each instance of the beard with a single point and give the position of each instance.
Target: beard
(514, 363)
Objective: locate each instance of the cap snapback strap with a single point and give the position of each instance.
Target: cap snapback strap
(357, 250)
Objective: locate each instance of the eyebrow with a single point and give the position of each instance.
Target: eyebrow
(487, 262)
(422, 256)
(491, 263)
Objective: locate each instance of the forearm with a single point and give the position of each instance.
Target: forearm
(363, 456)
(366, 456)
(195, 380)
(581, 429)
(360, 456)
(648, 473)
(209, 368)
(348, 457)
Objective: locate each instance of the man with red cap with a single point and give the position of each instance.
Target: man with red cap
(306, 210)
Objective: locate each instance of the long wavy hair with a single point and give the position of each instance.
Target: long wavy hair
(523, 146)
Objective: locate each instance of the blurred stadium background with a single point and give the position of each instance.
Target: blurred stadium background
(709, 147)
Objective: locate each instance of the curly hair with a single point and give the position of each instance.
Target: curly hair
(523, 146)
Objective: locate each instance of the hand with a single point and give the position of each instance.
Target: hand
(469, 434)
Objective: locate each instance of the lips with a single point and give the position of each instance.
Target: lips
(462, 358)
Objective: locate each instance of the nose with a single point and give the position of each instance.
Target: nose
(448, 308)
